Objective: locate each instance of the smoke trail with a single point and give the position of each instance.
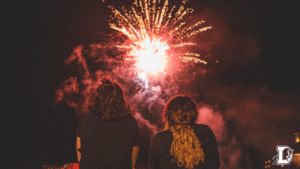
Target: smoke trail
(78, 91)
(229, 149)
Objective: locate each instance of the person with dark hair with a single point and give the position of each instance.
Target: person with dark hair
(108, 136)
(183, 144)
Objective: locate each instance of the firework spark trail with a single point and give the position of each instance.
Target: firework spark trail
(154, 34)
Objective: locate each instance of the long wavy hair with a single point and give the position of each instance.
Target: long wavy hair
(110, 103)
(181, 112)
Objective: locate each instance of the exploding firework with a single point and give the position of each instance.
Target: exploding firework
(154, 32)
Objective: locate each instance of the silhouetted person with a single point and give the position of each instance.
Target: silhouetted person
(183, 144)
(108, 136)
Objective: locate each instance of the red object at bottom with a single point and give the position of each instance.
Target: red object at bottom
(71, 166)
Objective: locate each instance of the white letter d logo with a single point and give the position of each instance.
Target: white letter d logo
(279, 157)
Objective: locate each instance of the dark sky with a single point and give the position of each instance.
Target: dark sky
(255, 41)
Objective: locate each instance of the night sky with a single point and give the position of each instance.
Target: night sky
(254, 85)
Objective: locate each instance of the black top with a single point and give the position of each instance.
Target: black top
(107, 143)
(160, 147)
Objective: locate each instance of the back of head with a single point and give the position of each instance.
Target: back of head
(110, 102)
(181, 111)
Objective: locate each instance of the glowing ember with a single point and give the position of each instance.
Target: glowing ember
(151, 56)
(153, 33)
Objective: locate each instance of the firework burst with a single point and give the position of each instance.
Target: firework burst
(154, 32)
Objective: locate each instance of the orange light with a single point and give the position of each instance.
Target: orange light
(296, 159)
(297, 137)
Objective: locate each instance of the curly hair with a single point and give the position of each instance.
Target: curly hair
(110, 103)
(181, 111)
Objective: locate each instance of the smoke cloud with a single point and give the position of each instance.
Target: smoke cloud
(229, 149)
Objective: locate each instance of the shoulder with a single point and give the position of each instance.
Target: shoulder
(161, 137)
(87, 116)
(129, 119)
(132, 119)
(204, 131)
(160, 134)
(203, 127)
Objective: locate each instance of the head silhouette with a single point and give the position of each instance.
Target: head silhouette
(110, 103)
(181, 110)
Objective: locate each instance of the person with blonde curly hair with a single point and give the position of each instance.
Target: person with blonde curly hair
(108, 137)
(183, 144)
